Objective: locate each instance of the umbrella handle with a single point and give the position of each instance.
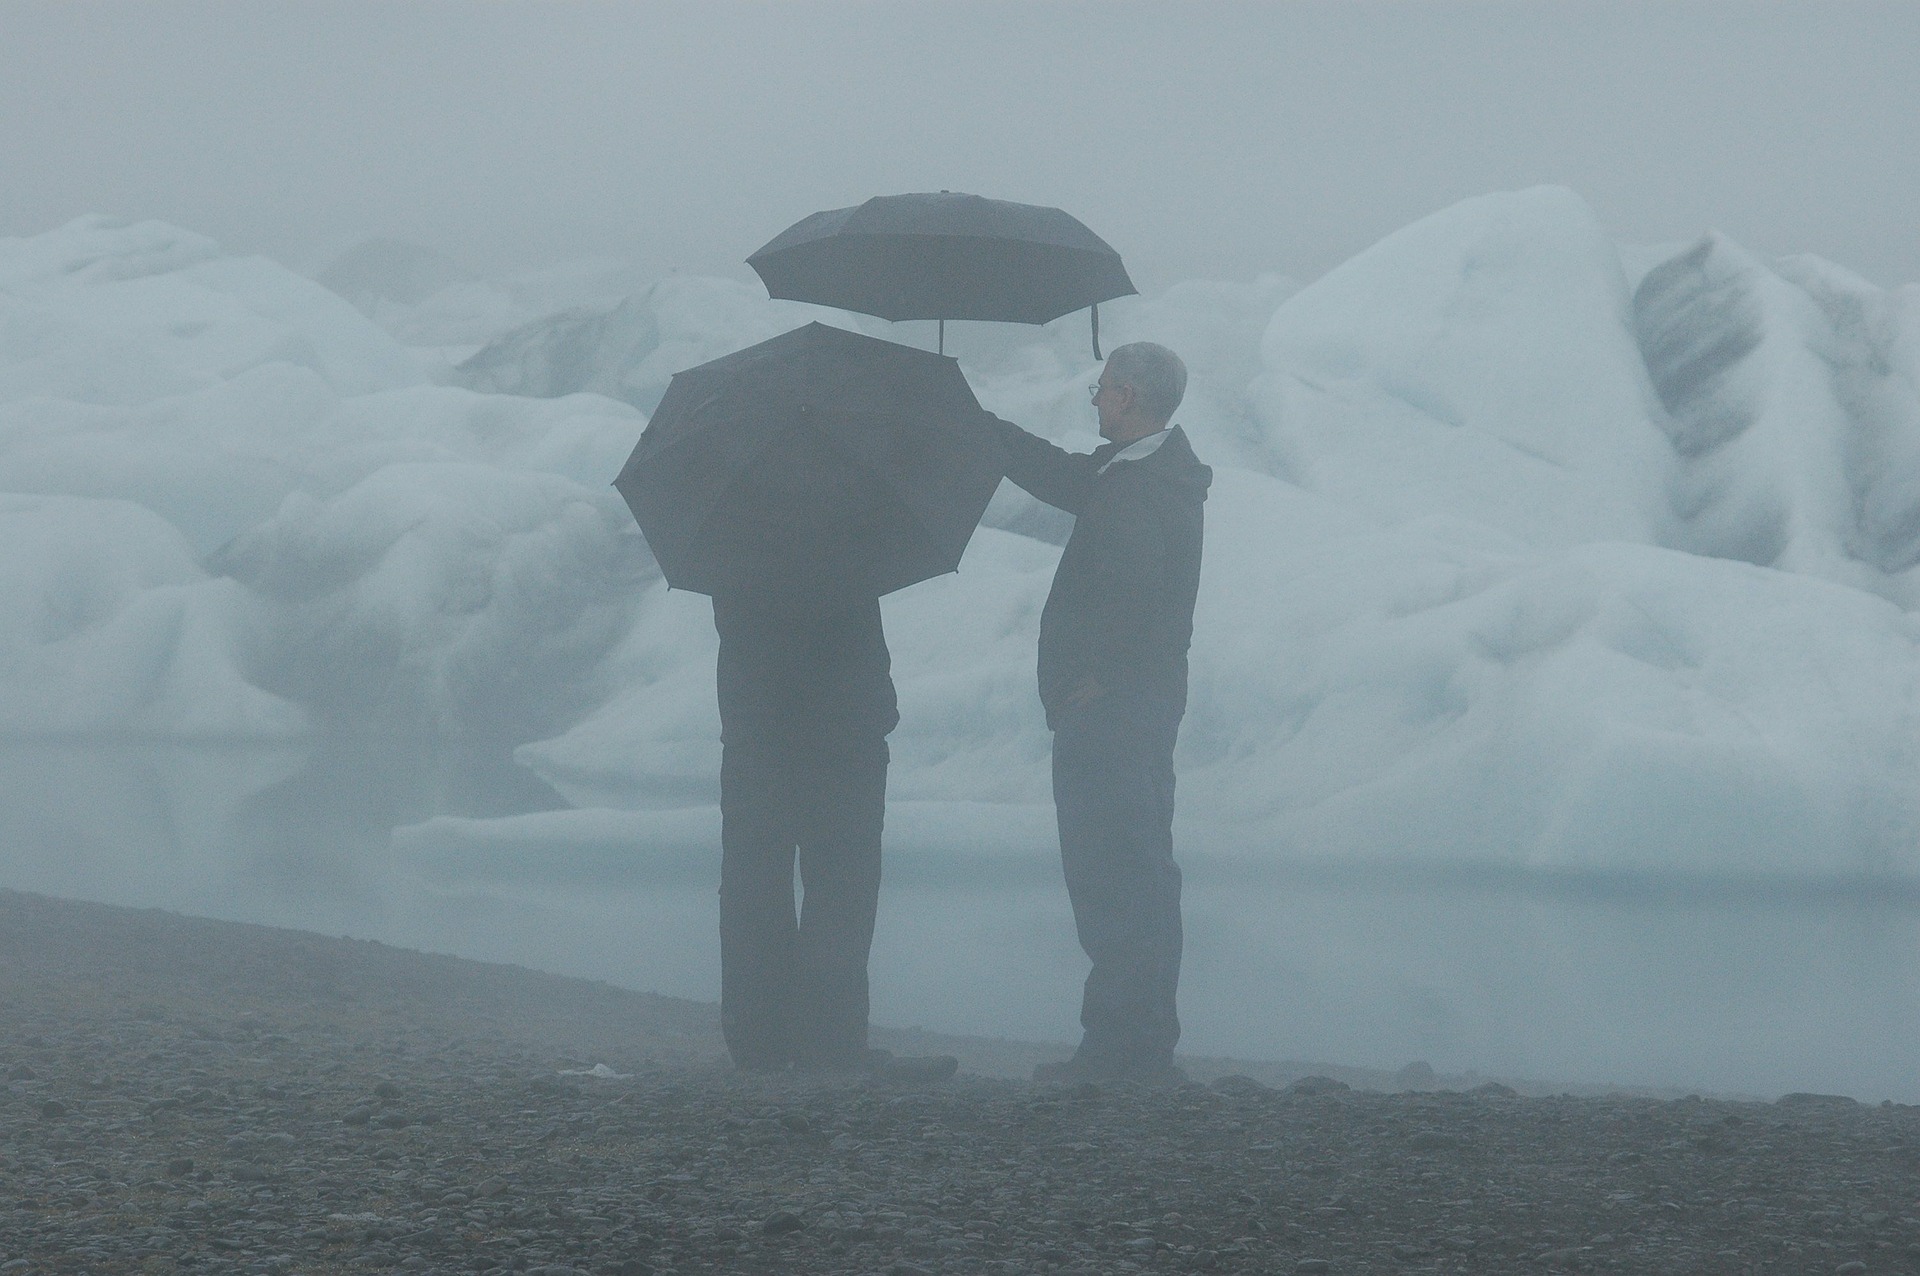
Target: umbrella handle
(1096, 333)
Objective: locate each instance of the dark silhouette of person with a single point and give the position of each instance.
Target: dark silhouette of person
(806, 702)
(1113, 681)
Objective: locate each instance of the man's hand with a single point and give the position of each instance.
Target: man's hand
(1085, 694)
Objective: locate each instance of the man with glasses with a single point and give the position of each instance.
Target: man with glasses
(1113, 682)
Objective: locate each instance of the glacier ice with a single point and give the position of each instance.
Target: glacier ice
(1555, 698)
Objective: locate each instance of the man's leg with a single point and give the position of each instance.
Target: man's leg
(1113, 793)
(840, 878)
(758, 934)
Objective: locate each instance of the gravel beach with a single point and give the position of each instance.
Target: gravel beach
(199, 1096)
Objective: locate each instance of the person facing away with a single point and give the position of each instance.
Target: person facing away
(806, 701)
(1113, 681)
(806, 698)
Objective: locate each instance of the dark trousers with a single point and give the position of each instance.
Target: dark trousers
(793, 988)
(1113, 793)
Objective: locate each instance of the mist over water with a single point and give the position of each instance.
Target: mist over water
(1716, 983)
(1555, 711)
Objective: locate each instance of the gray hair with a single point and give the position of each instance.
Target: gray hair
(1158, 377)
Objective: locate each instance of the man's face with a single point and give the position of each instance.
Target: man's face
(1111, 400)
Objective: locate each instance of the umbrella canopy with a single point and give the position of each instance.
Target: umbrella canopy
(819, 464)
(943, 256)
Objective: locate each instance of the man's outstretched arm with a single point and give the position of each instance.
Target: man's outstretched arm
(1054, 475)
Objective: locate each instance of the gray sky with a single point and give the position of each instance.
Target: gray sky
(1201, 139)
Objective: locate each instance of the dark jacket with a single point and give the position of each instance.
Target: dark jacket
(802, 680)
(1121, 608)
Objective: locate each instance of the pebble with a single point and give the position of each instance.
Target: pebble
(225, 1142)
(1239, 1084)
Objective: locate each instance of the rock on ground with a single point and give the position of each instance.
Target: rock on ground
(201, 1097)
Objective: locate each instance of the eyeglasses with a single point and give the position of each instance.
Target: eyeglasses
(1093, 391)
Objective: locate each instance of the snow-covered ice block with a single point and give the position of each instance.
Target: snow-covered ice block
(430, 303)
(1426, 692)
(220, 460)
(375, 272)
(1794, 408)
(629, 350)
(100, 311)
(1479, 364)
(111, 630)
(480, 599)
(655, 741)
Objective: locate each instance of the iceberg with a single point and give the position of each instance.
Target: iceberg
(113, 631)
(1794, 411)
(110, 313)
(1555, 705)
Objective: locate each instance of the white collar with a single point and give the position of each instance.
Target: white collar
(1137, 449)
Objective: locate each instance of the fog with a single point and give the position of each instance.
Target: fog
(681, 136)
(1555, 703)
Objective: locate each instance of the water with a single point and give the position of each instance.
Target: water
(1756, 986)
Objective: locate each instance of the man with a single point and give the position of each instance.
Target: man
(1113, 682)
(806, 702)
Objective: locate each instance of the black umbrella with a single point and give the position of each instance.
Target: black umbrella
(819, 463)
(945, 256)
